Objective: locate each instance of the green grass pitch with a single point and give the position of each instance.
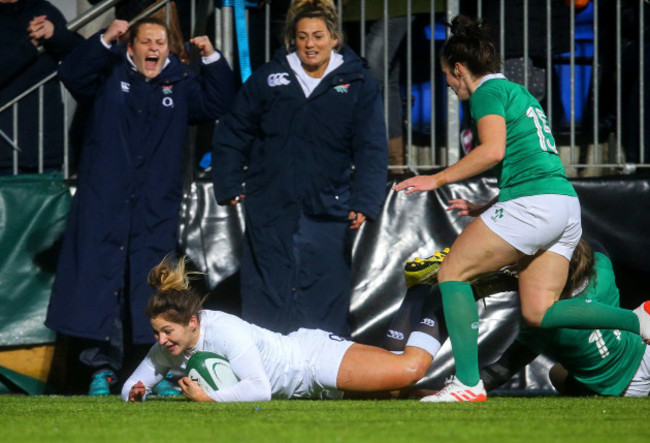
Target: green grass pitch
(522, 419)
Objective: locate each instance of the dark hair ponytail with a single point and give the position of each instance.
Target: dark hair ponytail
(471, 45)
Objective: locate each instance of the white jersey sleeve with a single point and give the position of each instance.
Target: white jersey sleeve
(150, 372)
(253, 385)
(235, 339)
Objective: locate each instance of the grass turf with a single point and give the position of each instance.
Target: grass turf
(535, 419)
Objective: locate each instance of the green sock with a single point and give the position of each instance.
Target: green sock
(461, 316)
(578, 313)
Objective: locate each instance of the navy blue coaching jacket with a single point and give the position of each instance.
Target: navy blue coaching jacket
(126, 207)
(318, 157)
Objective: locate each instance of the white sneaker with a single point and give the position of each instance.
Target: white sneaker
(457, 391)
(643, 312)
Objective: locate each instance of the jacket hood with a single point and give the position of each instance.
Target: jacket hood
(352, 63)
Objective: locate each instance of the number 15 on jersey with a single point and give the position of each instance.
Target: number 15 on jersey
(546, 141)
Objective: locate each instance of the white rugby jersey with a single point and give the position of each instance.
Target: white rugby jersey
(268, 364)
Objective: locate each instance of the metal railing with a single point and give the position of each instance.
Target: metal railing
(596, 144)
(73, 25)
(434, 141)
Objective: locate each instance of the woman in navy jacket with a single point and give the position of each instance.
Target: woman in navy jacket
(307, 137)
(124, 215)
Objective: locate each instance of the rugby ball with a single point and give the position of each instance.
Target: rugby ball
(210, 371)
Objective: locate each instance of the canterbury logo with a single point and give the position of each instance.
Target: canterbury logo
(395, 334)
(336, 337)
(278, 79)
(429, 322)
(468, 396)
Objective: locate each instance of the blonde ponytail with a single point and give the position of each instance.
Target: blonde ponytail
(174, 300)
(169, 274)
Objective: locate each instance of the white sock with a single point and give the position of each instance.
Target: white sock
(424, 341)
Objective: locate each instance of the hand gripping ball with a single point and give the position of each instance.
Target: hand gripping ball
(211, 371)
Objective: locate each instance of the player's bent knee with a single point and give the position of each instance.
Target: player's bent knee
(416, 369)
(408, 377)
(533, 319)
(420, 371)
(533, 313)
(445, 273)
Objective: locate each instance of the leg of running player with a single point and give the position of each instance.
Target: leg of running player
(477, 250)
(541, 280)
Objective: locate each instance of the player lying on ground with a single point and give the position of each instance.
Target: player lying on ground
(599, 361)
(308, 363)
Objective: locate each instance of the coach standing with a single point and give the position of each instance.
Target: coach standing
(300, 124)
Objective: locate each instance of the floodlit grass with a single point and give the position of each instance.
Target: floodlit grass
(531, 419)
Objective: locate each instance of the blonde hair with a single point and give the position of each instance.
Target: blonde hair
(322, 9)
(174, 300)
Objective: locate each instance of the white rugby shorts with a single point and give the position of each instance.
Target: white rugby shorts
(547, 222)
(640, 384)
(324, 353)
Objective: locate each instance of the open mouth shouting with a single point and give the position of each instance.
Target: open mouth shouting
(149, 49)
(151, 62)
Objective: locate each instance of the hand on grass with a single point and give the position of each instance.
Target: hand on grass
(137, 392)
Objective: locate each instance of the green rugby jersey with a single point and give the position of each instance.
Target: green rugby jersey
(604, 360)
(531, 165)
